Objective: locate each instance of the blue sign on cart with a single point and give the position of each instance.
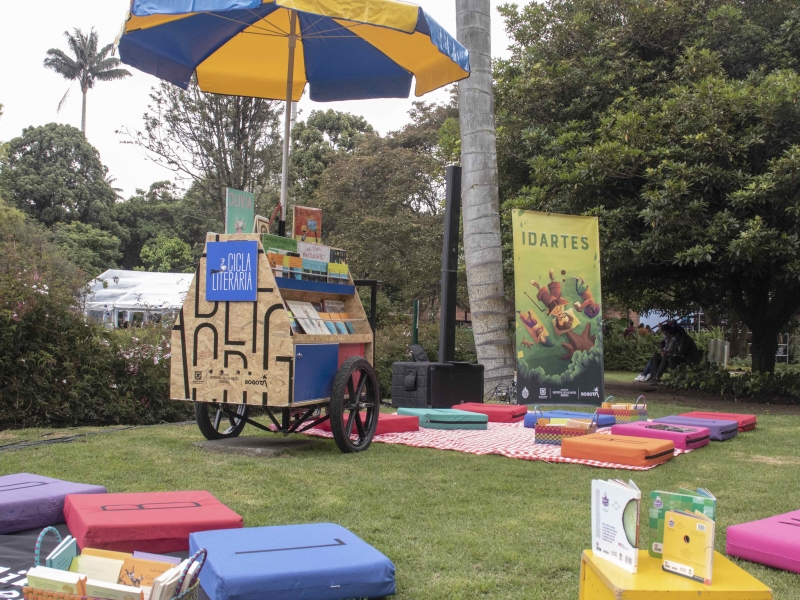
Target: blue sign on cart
(232, 271)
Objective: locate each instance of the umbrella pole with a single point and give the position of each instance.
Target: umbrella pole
(287, 129)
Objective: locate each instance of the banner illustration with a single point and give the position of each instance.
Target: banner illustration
(558, 308)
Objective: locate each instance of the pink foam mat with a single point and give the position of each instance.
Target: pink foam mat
(512, 440)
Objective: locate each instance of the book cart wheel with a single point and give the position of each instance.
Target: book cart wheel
(354, 405)
(214, 424)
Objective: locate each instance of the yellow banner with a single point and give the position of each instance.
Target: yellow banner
(558, 309)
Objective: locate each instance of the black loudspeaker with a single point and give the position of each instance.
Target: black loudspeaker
(436, 385)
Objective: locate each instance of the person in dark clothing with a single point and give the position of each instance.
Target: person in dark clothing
(652, 365)
(681, 350)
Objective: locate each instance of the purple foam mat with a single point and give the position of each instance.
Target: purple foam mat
(28, 501)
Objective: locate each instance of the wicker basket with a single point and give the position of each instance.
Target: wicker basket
(30, 593)
(632, 413)
(554, 434)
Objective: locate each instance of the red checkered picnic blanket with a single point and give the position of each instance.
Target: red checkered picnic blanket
(507, 439)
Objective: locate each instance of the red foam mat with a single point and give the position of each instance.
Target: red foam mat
(148, 522)
(497, 413)
(746, 422)
(386, 424)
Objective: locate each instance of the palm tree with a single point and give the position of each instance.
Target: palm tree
(481, 204)
(87, 66)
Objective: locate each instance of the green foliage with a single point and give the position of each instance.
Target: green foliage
(56, 368)
(632, 353)
(450, 142)
(167, 255)
(315, 143)
(216, 142)
(89, 248)
(392, 343)
(677, 124)
(759, 387)
(161, 211)
(628, 353)
(383, 204)
(54, 175)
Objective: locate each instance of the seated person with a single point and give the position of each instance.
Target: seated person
(630, 331)
(655, 360)
(682, 351)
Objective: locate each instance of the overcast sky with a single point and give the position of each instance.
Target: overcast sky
(30, 94)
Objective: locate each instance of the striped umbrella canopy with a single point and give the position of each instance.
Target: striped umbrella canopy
(341, 49)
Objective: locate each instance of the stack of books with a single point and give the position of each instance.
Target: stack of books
(682, 532)
(112, 575)
(325, 318)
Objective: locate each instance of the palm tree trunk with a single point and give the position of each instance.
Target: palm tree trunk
(481, 205)
(83, 113)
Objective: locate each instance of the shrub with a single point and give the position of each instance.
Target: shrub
(628, 354)
(57, 369)
(632, 353)
(760, 387)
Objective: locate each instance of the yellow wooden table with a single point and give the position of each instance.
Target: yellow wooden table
(602, 580)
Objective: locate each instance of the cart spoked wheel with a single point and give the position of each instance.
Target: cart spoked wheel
(355, 404)
(214, 424)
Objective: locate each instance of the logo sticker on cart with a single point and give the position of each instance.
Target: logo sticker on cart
(232, 271)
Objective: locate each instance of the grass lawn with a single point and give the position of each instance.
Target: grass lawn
(455, 525)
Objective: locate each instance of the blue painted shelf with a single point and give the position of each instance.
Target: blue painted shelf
(286, 283)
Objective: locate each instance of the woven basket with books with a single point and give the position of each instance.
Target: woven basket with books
(625, 413)
(55, 582)
(553, 431)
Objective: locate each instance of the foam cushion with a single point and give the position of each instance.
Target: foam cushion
(149, 522)
(497, 413)
(292, 562)
(29, 501)
(386, 424)
(683, 436)
(617, 449)
(774, 542)
(746, 422)
(445, 418)
(721, 430)
(602, 420)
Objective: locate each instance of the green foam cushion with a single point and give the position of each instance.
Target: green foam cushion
(444, 418)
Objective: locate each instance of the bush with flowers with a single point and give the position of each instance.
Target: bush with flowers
(57, 369)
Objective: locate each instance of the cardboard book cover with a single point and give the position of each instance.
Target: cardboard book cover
(684, 500)
(307, 224)
(615, 522)
(689, 545)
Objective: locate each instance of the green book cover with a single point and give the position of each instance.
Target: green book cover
(702, 501)
(278, 242)
(240, 211)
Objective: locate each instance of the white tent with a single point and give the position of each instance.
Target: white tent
(130, 292)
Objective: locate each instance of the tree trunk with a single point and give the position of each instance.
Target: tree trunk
(764, 349)
(83, 114)
(481, 206)
(739, 332)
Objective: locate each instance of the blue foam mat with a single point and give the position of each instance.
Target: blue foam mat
(322, 561)
(602, 420)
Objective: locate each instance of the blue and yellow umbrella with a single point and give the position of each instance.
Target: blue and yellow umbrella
(341, 49)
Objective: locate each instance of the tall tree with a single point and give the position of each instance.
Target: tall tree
(87, 65)
(216, 142)
(481, 206)
(53, 174)
(316, 141)
(677, 124)
(383, 203)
